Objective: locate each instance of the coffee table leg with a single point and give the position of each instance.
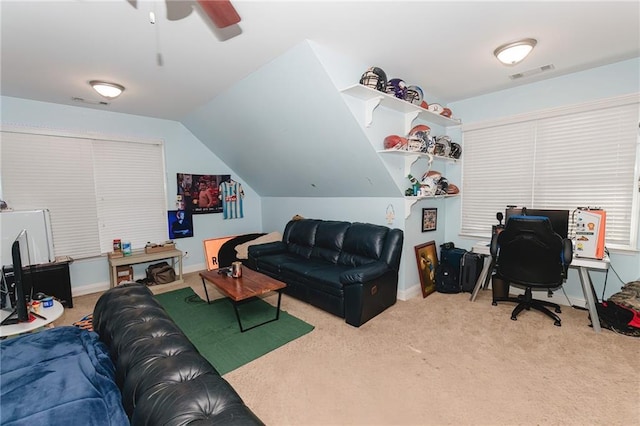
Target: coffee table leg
(235, 308)
(204, 284)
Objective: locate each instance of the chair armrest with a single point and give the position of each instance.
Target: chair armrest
(567, 254)
(265, 249)
(364, 273)
(493, 247)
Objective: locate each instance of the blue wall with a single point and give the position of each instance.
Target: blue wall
(621, 78)
(183, 154)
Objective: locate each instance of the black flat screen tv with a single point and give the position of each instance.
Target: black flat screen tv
(559, 218)
(21, 284)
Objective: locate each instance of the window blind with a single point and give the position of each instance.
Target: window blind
(584, 156)
(96, 189)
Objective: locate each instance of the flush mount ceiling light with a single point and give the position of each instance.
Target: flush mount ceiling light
(512, 53)
(108, 90)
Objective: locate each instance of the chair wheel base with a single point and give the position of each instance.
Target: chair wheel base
(557, 323)
(514, 318)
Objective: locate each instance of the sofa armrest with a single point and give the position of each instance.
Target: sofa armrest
(364, 273)
(266, 249)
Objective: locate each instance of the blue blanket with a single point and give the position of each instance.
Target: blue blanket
(58, 376)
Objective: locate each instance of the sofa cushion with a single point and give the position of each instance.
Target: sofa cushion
(242, 250)
(363, 244)
(273, 262)
(329, 240)
(301, 237)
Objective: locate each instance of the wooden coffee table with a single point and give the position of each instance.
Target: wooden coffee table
(251, 285)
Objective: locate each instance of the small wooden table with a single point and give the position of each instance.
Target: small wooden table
(241, 290)
(139, 256)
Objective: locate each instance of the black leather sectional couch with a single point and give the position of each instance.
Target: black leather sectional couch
(163, 378)
(347, 269)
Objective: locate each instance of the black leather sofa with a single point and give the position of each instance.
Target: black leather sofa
(163, 378)
(347, 269)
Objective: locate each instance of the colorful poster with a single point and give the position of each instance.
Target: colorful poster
(200, 193)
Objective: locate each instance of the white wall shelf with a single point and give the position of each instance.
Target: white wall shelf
(373, 98)
(410, 201)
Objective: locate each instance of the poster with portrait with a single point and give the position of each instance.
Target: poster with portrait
(200, 194)
(180, 224)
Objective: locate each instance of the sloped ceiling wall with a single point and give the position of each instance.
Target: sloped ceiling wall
(287, 132)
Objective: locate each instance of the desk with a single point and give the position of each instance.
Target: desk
(582, 264)
(51, 314)
(139, 256)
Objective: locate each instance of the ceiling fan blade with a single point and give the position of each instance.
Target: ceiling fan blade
(221, 12)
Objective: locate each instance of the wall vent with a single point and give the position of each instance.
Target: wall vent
(531, 72)
(85, 101)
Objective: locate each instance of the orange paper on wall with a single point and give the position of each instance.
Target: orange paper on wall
(590, 231)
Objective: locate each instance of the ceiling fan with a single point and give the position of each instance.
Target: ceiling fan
(220, 12)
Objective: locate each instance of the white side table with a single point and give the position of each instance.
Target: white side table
(51, 314)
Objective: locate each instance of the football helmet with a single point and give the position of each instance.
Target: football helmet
(443, 146)
(456, 150)
(446, 112)
(419, 128)
(437, 183)
(395, 142)
(374, 78)
(416, 144)
(452, 189)
(420, 139)
(435, 108)
(397, 87)
(414, 95)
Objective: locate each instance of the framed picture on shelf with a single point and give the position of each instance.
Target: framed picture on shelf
(429, 219)
(427, 259)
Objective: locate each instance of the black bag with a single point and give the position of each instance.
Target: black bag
(470, 270)
(448, 270)
(161, 273)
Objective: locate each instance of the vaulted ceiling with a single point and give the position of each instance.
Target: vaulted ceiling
(273, 131)
(51, 49)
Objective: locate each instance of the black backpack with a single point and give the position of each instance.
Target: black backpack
(448, 269)
(447, 279)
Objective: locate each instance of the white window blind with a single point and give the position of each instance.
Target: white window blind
(96, 190)
(584, 156)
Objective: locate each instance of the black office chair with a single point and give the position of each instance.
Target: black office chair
(529, 253)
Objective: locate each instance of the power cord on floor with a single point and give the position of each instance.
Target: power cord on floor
(604, 288)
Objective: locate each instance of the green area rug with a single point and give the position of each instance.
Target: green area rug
(213, 328)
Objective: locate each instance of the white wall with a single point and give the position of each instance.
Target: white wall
(603, 82)
(183, 154)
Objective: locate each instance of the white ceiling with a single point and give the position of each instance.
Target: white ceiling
(51, 49)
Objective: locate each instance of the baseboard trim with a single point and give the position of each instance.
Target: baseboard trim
(411, 292)
(104, 286)
(558, 296)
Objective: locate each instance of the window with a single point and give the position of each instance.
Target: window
(582, 156)
(96, 189)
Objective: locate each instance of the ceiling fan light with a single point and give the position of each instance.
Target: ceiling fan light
(512, 53)
(108, 90)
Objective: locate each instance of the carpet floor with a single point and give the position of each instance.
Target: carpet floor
(437, 361)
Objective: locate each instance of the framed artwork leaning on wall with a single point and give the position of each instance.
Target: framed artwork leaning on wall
(427, 260)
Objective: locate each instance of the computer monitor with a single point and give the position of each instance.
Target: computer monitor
(559, 218)
(21, 284)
